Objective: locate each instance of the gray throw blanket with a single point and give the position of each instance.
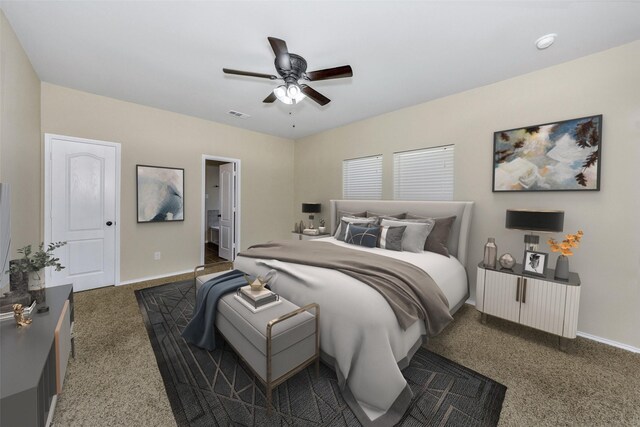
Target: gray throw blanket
(201, 329)
(411, 293)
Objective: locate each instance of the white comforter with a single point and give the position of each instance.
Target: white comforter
(359, 329)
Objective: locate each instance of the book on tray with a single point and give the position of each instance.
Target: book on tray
(259, 298)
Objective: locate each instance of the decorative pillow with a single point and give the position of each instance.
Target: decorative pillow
(398, 216)
(362, 236)
(415, 234)
(342, 214)
(437, 240)
(341, 232)
(439, 236)
(391, 237)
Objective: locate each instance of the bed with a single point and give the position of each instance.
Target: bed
(360, 334)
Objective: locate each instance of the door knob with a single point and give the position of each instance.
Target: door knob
(109, 223)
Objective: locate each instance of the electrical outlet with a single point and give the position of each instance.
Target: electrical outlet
(156, 256)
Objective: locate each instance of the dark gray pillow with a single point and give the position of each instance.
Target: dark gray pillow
(415, 235)
(439, 236)
(342, 229)
(362, 236)
(391, 237)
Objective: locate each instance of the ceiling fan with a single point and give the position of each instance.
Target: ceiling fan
(292, 68)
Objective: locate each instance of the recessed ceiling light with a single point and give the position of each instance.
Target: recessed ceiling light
(546, 41)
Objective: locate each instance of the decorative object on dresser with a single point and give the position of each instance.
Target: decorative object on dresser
(560, 156)
(19, 316)
(33, 264)
(535, 263)
(507, 261)
(542, 303)
(565, 249)
(322, 228)
(490, 253)
(160, 193)
(10, 299)
(546, 221)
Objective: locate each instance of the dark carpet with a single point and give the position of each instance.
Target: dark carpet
(216, 389)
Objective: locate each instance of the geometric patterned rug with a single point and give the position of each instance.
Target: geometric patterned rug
(215, 388)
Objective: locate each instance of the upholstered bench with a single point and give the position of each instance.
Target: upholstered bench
(276, 343)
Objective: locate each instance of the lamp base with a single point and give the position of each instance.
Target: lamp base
(531, 242)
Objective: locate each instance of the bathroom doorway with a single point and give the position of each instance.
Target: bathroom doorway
(220, 209)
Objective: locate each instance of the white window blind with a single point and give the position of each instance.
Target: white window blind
(423, 174)
(362, 178)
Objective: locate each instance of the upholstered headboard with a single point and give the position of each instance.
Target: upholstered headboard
(459, 237)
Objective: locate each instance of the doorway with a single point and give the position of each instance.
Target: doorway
(220, 232)
(82, 208)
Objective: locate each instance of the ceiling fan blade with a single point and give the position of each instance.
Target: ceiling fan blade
(249, 73)
(269, 99)
(282, 53)
(331, 73)
(315, 95)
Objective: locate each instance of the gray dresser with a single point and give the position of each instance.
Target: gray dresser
(33, 361)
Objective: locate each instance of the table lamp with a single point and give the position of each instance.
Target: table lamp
(311, 208)
(547, 221)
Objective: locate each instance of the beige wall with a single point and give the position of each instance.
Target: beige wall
(20, 157)
(156, 137)
(606, 83)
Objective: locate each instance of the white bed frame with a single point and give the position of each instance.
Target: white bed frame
(458, 239)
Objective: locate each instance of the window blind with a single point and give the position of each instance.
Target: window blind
(362, 178)
(425, 174)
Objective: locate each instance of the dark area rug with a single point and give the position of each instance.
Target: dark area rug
(216, 389)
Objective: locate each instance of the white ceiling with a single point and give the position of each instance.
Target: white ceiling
(170, 55)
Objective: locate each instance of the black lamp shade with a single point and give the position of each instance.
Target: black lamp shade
(311, 207)
(521, 219)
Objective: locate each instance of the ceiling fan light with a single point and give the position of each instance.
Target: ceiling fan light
(293, 91)
(299, 97)
(281, 93)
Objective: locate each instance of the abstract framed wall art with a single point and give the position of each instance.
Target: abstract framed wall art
(560, 156)
(160, 194)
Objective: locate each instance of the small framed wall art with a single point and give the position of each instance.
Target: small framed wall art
(160, 193)
(559, 156)
(535, 263)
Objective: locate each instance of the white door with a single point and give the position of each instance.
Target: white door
(83, 191)
(226, 248)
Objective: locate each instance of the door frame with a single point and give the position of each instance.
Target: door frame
(203, 204)
(48, 137)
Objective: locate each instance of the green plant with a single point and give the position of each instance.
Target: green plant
(321, 222)
(36, 261)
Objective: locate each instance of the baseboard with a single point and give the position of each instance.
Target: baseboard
(591, 337)
(609, 342)
(159, 276)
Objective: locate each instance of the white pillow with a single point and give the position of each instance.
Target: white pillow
(415, 235)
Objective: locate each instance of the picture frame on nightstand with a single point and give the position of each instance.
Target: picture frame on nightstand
(535, 263)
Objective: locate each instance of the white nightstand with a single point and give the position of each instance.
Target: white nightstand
(544, 303)
(300, 236)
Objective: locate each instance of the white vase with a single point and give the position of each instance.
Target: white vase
(36, 286)
(322, 229)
